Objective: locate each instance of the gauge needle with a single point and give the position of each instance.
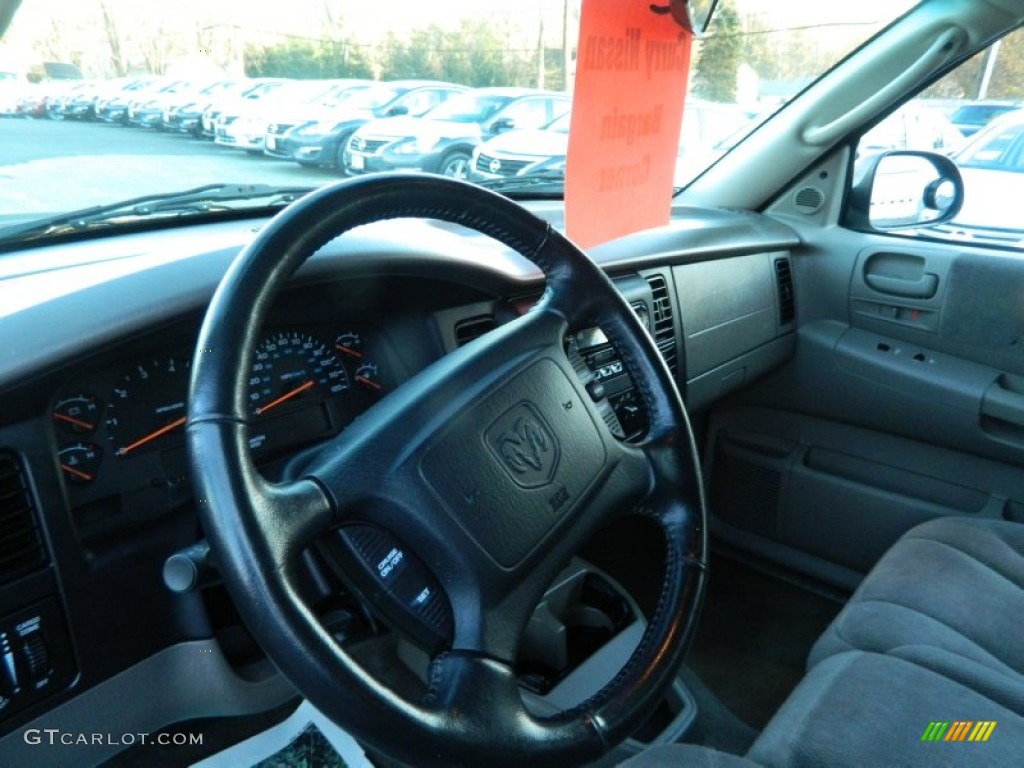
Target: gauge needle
(368, 382)
(348, 351)
(73, 420)
(286, 396)
(76, 472)
(151, 436)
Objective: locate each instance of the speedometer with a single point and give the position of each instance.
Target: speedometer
(292, 370)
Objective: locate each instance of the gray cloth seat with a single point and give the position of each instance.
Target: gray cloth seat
(934, 633)
(948, 596)
(858, 709)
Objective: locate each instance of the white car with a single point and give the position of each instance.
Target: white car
(528, 152)
(992, 166)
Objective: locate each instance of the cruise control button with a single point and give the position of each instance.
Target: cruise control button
(421, 597)
(380, 555)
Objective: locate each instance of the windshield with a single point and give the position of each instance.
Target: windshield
(372, 97)
(468, 108)
(559, 124)
(220, 92)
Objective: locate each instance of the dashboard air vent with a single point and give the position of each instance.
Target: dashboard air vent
(21, 547)
(664, 328)
(784, 281)
(471, 328)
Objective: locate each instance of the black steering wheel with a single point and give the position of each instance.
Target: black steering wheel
(491, 468)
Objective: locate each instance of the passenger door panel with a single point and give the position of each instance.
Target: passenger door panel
(904, 401)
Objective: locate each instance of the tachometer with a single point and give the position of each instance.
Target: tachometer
(290, 370)
(147, 407)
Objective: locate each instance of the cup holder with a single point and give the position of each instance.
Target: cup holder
(580, 636)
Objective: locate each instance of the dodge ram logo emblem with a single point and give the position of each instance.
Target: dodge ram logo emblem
(524, 446)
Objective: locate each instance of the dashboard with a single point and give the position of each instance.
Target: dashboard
(119, 430)
(92, 450)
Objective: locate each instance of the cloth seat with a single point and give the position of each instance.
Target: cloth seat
(857, 709)
(948, 596)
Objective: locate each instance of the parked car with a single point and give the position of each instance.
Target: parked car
(147, 109)
(231, 99)
(322, 141)
(116, 108)
(80, 104)
(912, 126)
(442, 140)
(32, 102)
(244, 126)
(523, 152)
(112, 96)
(992, 165)
(972, 117)
(708, 131)
(184, 115)
(181, 110)
(517, 153)
(282, 118)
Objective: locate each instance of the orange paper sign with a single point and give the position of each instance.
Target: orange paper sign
(631, 67)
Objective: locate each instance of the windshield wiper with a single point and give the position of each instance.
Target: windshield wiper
(197, 200)
(545, 182)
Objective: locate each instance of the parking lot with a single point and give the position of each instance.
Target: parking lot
(51, 166)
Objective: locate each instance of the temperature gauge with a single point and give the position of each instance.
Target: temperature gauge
(80, 462)
(78, 414)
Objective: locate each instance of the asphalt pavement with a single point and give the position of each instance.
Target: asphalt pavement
(51, 166)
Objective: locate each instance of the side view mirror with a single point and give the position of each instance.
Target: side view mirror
(398, 109)
(903, 189)
(503, 124)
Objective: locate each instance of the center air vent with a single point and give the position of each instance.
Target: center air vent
(784, 281)
(471, 328)
(21, 547)
(664, 329)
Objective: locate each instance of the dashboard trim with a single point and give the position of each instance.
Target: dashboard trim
(182, 682)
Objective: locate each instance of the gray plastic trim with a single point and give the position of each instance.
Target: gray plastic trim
(182, 682)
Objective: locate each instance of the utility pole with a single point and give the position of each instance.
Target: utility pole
(540, 45)
(569, 14)
(990, 65)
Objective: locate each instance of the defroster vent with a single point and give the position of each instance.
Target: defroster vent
(784, 281)
(21, 546)
(663, 327)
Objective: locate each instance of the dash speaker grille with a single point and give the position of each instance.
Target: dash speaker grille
(809, 200)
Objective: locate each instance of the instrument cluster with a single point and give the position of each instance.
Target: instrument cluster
(120, 430)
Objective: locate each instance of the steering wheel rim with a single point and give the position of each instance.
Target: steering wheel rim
(516, 375)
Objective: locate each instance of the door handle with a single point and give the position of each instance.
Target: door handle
(923, 287)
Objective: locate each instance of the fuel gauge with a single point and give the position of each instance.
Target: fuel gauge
(350, 344)
(80, 462)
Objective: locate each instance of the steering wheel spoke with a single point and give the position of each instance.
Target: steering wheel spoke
(282, 519)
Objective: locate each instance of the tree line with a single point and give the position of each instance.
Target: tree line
(475, 53)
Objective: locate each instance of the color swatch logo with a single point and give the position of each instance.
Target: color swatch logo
(958, 730)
